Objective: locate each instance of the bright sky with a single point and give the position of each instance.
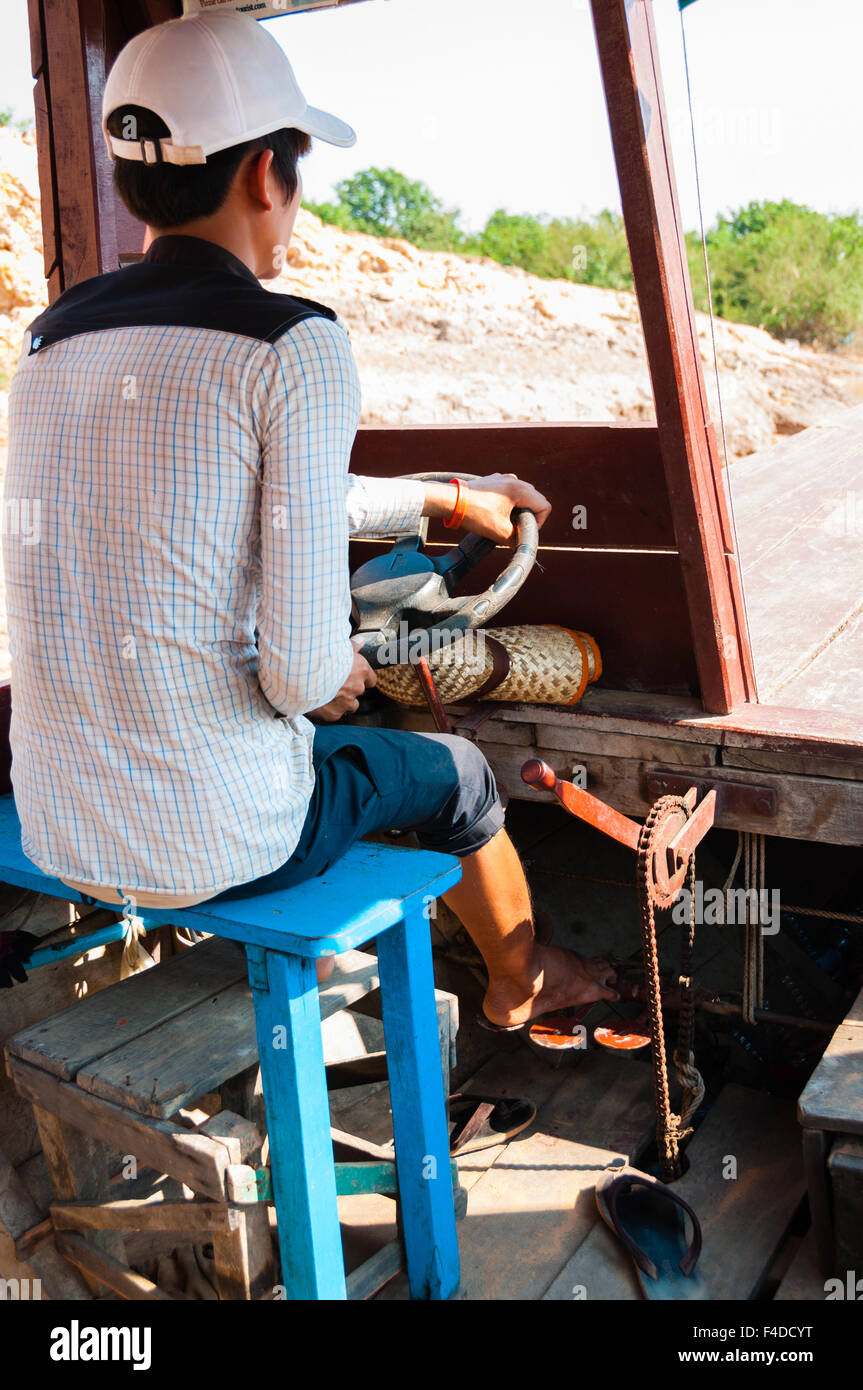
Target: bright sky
(498, 102)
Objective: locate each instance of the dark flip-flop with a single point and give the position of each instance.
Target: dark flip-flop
(479, 1121)
(650, 1221)
(485, 1022)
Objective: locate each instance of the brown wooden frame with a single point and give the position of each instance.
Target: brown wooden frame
(700, 637)
(628, 57)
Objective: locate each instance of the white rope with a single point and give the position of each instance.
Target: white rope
(692, 1086)
(135, 956)
(754, 883)
(730, 878)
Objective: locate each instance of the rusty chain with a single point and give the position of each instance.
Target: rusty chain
(671, 1129)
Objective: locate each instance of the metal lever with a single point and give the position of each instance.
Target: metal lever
(537, 773)
(580, 803)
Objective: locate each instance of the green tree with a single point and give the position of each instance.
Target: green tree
(8, 117)
(780, 265)
(514, 239)
(784, 267)
(385, 202)
(334, 213)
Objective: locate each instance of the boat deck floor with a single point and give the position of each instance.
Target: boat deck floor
(532, 1231)
(799, 516)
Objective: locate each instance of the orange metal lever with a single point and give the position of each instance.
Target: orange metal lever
(537, 773)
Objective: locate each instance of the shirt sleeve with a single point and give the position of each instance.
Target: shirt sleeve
(383, 506)
(310, 417)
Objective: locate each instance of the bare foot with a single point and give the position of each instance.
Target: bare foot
(561, 979)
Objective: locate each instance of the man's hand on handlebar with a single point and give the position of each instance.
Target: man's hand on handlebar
(490, 502)
(360, 678)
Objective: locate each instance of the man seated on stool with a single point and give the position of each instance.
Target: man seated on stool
(186, 611)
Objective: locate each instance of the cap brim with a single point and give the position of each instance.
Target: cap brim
(324, 126)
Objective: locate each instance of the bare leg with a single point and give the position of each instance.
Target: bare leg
(525, 979)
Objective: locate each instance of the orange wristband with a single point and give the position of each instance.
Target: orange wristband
(458, 511)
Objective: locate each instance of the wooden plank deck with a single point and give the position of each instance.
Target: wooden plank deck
(744, 1211)
(532, 1231)
(530, 1202)
(799, 514)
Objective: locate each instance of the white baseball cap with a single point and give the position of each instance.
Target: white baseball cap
(216, 80)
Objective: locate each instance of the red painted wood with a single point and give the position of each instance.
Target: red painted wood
(614, 471)
(630, 72)
(46, 175)
(97, 61)
(71, 146)
(824, 733)
(34, 16)
(632, 602)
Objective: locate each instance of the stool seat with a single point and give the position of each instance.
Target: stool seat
(365, 892)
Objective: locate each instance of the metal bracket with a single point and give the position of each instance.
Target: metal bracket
(732, 798)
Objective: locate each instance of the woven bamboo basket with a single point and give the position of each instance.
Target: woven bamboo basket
(548, 665)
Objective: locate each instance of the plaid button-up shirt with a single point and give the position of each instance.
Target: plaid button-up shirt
(176, 517)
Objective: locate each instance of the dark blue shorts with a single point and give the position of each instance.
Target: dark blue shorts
(384, 779)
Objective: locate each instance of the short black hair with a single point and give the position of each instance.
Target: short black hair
(168, 195)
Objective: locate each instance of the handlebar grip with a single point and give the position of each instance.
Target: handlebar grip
(524, 521)
(537, 773)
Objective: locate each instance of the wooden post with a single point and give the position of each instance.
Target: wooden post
(72, 44)
(629, 61)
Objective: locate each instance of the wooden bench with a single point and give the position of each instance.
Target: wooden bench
(830, 1110)
(118, 1066)
(374, 892)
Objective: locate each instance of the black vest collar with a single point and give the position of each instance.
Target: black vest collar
(194, 250)
(182, 281)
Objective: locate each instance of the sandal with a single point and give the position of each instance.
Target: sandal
(485, 1022)
(479, 1121)
(649, 1219)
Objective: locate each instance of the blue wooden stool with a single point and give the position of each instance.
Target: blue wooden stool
(373, 892)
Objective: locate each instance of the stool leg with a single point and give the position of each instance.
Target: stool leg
(243, 1256)
(288, 1024)
(816, 1146)
(419, 1108)
(78, 1166)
